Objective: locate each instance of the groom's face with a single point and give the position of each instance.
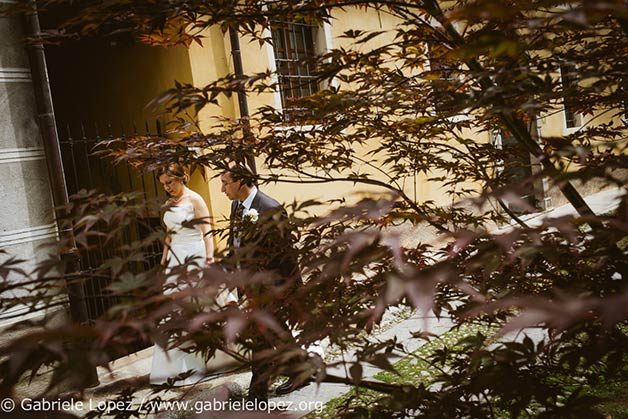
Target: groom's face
(230, 187)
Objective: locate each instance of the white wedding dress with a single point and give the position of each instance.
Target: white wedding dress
(185, 243)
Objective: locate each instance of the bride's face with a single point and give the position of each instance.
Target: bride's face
(172, 185)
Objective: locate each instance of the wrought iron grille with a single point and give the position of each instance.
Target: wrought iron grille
(86, 170)
(294, 47)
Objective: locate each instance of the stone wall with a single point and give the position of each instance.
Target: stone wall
(26, 208)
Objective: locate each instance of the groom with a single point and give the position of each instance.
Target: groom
(257, 246)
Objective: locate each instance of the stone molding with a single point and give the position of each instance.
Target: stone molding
(30, 234)
(15, 75)
(14, 155)
(22, 312)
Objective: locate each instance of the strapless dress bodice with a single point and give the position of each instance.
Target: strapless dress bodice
(175, 218)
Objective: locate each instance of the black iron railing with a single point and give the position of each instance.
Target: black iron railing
(87, 170)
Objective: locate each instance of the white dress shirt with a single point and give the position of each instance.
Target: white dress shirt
(249, 201)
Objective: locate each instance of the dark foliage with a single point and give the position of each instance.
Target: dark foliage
(494, 66)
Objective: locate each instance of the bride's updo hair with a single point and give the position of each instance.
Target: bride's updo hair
(176, 170)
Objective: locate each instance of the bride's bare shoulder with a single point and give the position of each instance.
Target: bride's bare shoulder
(194, 196)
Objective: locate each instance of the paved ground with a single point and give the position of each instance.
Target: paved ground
(600, 203)
(136, 367)
(402, 331)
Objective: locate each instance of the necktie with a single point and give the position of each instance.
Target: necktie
(237, 219)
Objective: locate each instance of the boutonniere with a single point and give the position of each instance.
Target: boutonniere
(251, 215)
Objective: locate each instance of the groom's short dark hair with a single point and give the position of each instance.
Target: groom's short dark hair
(240, 171)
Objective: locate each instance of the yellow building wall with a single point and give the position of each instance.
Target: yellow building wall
(553, 124)
(257, 59)
(214, 60)
(210, 62)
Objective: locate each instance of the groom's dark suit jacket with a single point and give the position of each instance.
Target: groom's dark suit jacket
(264, 245)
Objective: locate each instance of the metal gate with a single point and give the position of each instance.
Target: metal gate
(85, 170)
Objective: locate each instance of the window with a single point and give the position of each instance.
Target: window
(445, 80)
(294, 48)
(569, 79)
(623, 89)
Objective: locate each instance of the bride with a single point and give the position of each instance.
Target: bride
(181, 243)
